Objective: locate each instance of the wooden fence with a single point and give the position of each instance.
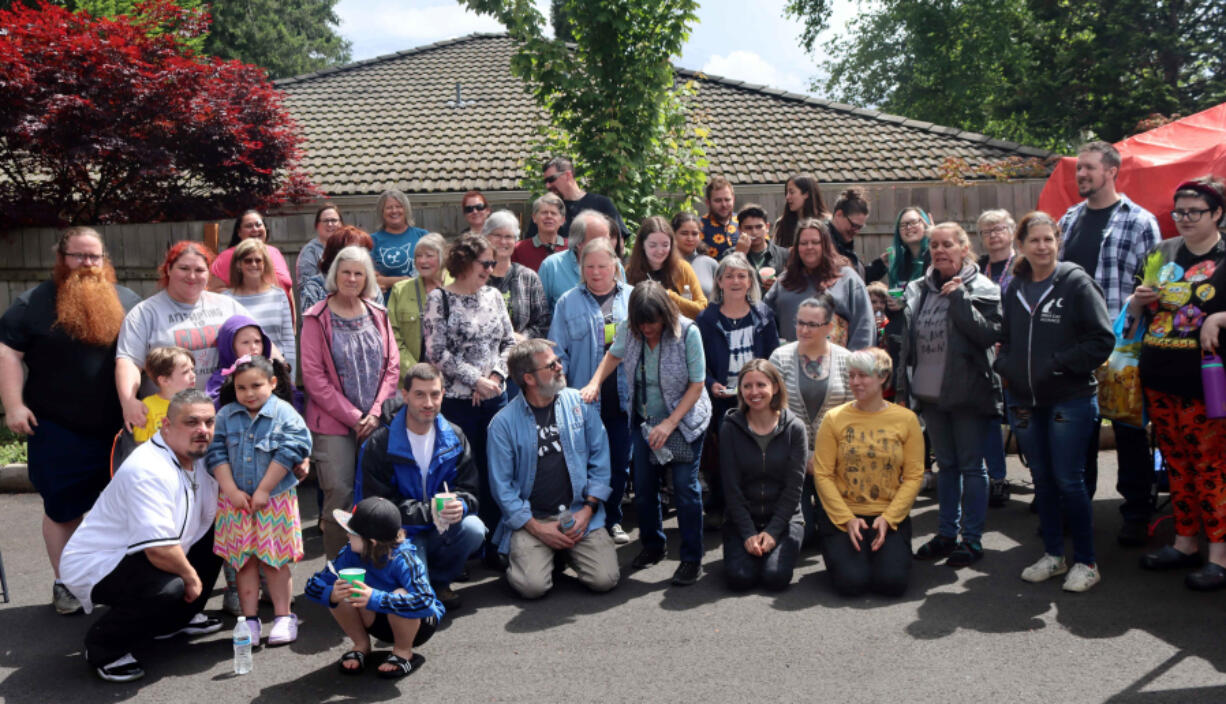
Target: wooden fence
(26, 255)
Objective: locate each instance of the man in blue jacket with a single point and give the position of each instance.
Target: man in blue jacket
(413, 435)
(549, 457)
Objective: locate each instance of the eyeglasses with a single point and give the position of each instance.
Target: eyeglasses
(810, 324)
(330, 221)
(84, 258)
(995, 229)
(488, 263)
(554, 365)
(500, 236)
(474, 208)
(905, 224)
(1189, 216)
(550, 179)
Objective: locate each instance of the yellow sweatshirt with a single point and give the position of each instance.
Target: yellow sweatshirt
(697, 303)
(868, 464)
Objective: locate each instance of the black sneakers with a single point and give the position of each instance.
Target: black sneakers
(998, 492)
(687, 573)
(201, 624)
(646, 558)
(125, 669)
(938, 547)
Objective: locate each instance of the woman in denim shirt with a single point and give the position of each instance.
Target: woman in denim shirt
(258, 438)
(583, 324)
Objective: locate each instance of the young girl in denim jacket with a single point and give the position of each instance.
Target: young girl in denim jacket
(258, 439)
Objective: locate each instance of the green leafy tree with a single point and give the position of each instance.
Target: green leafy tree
(286, 37)
(612, 99)
(1044, 72)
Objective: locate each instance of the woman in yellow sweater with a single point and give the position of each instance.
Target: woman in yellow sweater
(655, 257)
(868, 466)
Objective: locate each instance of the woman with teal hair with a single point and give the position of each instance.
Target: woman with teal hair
(907, 258)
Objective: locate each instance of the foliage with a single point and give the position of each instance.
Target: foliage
(193, 9)
(286, 37)
(114, 120)
(12, 447)
(613, 102)
(956, 170)
(1049, 73)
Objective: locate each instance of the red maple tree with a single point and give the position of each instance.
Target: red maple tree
(118, 120)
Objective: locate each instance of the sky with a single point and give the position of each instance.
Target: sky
(743, 40)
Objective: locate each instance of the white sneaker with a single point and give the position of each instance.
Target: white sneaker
(284, 630)
(619, 535)
(1047, 567)
(125, 669)
(1082, 577)
(256, 628)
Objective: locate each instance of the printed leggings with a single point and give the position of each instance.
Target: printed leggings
(1195, 449)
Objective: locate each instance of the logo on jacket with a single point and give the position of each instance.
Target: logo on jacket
(1050, 311)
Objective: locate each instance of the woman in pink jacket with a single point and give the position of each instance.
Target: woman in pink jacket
(350, 366)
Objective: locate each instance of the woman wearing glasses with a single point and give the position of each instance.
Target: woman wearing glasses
(476, 211)
(1184, 318)
(327, 221)
(814, 373)
(468, 335)
(248, 225)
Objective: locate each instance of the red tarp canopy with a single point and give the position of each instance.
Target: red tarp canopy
(1152, 164)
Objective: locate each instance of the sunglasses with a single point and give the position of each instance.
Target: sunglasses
(488, 263)
(474, 208)
(550, 179)
(555, 365)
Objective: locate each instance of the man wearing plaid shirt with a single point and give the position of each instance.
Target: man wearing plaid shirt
(1109, 236)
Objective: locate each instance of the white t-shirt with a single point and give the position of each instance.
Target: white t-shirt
(423, 450)
(160, 321)
(151, 502)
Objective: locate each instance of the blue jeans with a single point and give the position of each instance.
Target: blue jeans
(962, 483)
(444, 553)
(687, 493)
(1054, 439)
(994, 449)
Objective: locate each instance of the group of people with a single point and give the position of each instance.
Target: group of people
(499, 395)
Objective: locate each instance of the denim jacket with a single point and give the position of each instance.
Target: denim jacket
(249, 445)
(511, 452)
(578, 331)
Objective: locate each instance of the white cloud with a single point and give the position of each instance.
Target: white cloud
(749, 66)
(378, 27)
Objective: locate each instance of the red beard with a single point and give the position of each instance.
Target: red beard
(87, 307)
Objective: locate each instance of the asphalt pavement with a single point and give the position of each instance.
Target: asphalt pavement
(973, 635)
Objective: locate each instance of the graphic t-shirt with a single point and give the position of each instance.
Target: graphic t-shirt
(551, 487)
(161, 321)
(393, 254)
(1189, 288)
(931, 342)
(739, 334)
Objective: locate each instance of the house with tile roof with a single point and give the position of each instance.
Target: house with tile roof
(450, 116)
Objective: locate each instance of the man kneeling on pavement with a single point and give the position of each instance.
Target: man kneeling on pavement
(146, 548)
(414, 454)
(548, 450)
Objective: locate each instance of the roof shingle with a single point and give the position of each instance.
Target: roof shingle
(392, 121)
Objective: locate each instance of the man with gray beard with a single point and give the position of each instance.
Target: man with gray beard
(549, 473)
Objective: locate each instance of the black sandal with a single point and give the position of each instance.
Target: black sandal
(403, 667)
(350, 656)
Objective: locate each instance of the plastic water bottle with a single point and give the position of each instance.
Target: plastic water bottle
(687, 294)
(565, 520)
(242, 647)
(1213, 381)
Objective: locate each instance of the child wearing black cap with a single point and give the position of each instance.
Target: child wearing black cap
(394, 602)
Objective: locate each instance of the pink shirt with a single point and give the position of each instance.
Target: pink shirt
(221, 269)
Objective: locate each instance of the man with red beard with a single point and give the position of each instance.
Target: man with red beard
(65, 331)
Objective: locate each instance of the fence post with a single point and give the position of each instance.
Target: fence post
(211, 230)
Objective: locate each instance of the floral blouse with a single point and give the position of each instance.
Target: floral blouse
(471, 341)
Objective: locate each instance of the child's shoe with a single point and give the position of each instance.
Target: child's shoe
(284, 630)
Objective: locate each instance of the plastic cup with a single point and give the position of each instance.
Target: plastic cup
(767, 272)
(441, 499)
(353, 575)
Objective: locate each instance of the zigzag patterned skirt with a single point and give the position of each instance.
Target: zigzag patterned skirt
(273, 535)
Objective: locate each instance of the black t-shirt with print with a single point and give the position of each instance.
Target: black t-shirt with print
(1170, 350)
(552, 487)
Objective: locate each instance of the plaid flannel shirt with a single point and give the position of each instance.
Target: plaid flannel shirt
(526, 303)
(1131, 232)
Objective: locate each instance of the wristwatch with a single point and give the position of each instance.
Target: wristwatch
(593, 504)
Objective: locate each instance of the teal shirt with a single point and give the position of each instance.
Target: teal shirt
(653, 400)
